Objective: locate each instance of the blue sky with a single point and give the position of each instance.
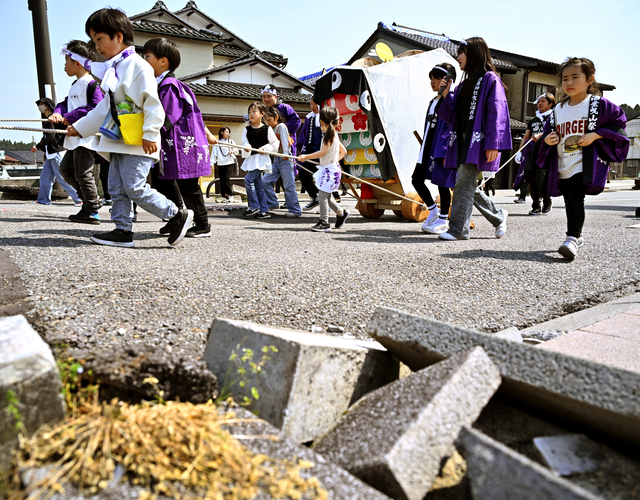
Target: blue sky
(605, 32)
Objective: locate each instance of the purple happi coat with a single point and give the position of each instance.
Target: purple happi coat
(605, 119)
(94, 96)
(185, 149)
(291, 119)
(491, 125)
(437, 138)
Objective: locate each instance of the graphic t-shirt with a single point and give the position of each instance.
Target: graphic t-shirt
(571, 125)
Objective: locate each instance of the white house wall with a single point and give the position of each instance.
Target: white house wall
(633, 131)
(196, 55)
(252, 75)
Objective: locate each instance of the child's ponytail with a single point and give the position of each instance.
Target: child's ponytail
(330, 117)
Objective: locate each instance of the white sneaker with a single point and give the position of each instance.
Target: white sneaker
(438, 227)
(569, 249)
(501, 229)
(447, 237)
(433, 217)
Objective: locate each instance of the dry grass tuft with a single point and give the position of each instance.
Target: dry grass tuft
(176, 449)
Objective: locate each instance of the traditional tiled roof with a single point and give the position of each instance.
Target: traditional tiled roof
(518, 125)
(231, 51)
(253, 56)
(243, 91)
(433, 41)
(178, 31)
(25, 156)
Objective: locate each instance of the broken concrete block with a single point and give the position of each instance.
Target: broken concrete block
(30, 387)
(396, 437)
(339, 484)
(569, 454)
(512, 334)
(496, 472)
(595, 396)
(308, 383)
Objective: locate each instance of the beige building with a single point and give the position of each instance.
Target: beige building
(225, 72)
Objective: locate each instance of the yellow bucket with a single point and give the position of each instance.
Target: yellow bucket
(131, 128)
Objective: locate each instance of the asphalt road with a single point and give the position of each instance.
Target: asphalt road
(280, 273)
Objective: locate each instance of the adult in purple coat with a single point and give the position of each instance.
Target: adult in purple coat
(586, 133)
(480, 129)
(289, 117)
(184, 141)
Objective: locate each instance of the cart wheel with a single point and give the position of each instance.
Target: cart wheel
(413, 212)
(368, 211)
(398, 213)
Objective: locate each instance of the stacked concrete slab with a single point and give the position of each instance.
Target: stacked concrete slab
(311, 379)
(600, 398)
(496, 472)
(396, 437)
(30, 387)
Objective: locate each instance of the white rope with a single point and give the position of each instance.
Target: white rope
(24, 120)
(297, 162)
(493, 174)
(45, 130)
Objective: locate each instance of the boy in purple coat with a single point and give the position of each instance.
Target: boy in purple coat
(480, 128)
(77, 165)
(184, 140)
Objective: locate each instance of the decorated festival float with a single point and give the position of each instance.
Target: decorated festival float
(380, 108)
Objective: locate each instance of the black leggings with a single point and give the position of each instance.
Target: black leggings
(224, 174)
(573, 191)
(417, 179)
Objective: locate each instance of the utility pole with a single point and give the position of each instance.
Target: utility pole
(46, 85)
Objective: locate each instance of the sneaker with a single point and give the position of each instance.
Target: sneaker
(178, 225)
(438, 227)
(83, 217)
(166, 229)
(520, 200)
(569, 249)
(322, 226)
(199, 232)
(535, 211)
(501, 229)
(283, 206)
(108, 202)
(338, 200)
(291, 214)
(341, 219)
(311, 205)
(76, 203)
(263, 215)
(250, 211)
(446, 236)
(115, 238)
(432, 218)
(546, 207)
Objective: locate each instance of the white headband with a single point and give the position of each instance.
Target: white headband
(463, 42)
(440, 68)
(540, 97)
(86, 63)
(269, 90)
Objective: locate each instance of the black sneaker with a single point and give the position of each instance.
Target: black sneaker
(115, 238)
(85, 218)
(283, 206)
(178, 226)
(250, 211)
(166, 229)
(546, 207)
(341, 219)
(263, 215)
(311, 205)
(199, 232)
(322, 226)
(535, 211)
